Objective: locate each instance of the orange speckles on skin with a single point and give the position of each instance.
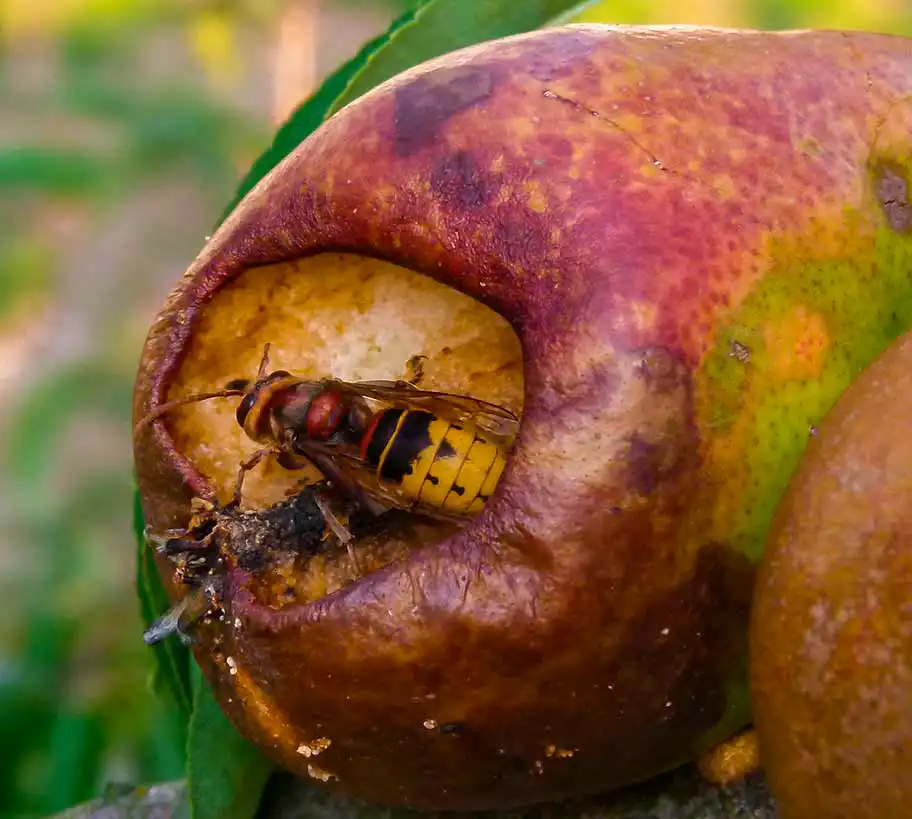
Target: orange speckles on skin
(535, 196)
(524, 131)
(639, 317)
(629, 124)
(810, 146)
(797, 345)
(724, 186)
(737, 154)
(580, 152)
(651, 170)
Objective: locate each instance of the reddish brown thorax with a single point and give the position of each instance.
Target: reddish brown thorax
(327, 412)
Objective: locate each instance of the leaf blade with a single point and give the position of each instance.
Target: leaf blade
(226, 774)
(171, 672)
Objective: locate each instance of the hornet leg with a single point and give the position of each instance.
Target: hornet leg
(337, 528)
(245, 467)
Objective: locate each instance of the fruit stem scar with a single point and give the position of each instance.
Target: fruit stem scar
(739, 351)
(893, 194)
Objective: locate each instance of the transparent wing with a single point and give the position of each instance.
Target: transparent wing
(353, 476)
(498, 422)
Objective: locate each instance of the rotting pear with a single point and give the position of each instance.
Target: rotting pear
(670, 250)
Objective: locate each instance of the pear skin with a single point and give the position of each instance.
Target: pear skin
(669, 250)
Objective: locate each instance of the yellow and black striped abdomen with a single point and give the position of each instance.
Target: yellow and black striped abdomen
(436, 463)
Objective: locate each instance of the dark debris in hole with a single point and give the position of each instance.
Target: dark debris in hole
(288, 540)
(294, 527)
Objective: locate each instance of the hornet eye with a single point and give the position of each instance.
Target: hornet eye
(245, 406)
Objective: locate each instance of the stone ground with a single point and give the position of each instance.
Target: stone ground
(681, 795)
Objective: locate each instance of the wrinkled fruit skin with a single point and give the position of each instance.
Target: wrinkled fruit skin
(700, 237)
(832, 626)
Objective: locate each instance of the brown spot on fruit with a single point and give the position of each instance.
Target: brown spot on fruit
(893, 195)
(424, 104)
(553, 59)
(644, 465)
(459, 183)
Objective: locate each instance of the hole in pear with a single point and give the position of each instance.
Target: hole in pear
(332, 315)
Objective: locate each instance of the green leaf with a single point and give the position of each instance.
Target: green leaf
(76, 759)
(226, 774)
(26, 268)
(579, 13)
(171, 674)
(42, 419)
(56, 171)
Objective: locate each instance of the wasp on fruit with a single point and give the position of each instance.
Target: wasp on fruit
(386, 444)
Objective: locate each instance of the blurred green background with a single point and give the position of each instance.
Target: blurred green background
(125, 126)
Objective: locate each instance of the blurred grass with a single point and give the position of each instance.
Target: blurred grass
(891, 16)
(91, 122)
(108, 107)
(125, 126)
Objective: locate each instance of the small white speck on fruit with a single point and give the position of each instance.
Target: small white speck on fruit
(314, 747)
(319, 773)
(430, 724)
